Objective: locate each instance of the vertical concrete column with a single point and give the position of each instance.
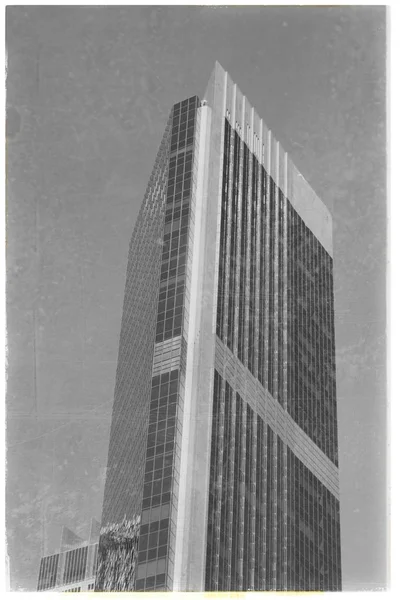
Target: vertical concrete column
(189, 572)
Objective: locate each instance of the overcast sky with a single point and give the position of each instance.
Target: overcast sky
(89, 90)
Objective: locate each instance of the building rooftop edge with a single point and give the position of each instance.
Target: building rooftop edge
(302, 184)
(218, 66)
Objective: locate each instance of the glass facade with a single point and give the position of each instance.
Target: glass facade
(127, 448)
(286, 533)
(313, 538)
(160, 494)
(140, 501)
(239, 514)
(311, 395)
(257, 539)
(311, 342)
(159, 500)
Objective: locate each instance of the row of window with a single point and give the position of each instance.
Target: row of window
(183, 125)
(48, 572)
(156, 519)
(152, 582)
(75, 589)
(164, 384)
(170, 313)
(237, 491)
(75, 565)
(163, 435)
(253, 269)
(313, 547)
(311, 377)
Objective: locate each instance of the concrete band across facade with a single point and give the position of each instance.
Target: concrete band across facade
(223, 461)
(272, 413)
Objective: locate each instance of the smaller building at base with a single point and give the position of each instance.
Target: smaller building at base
(73, 568)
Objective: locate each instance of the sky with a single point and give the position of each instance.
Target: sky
(89, 90)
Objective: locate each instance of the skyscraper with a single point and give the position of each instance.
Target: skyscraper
(223, 459)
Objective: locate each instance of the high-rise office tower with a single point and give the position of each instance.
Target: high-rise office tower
(223, 459)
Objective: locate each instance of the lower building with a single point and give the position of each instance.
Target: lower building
(73, 568)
